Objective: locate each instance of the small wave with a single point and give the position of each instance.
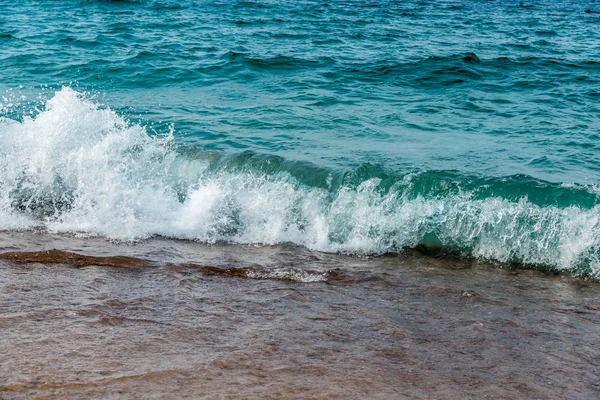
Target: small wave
(75, 260)
(116, 2)
(55, 256)
(442, 71)
(282, 62)
(80, 168)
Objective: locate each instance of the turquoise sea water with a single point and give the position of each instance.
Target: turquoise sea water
(364, 127)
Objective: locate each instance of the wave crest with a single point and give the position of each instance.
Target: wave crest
(78, 167)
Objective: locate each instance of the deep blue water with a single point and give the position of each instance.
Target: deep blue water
(353, 126)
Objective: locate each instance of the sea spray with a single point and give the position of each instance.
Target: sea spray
(81, 168)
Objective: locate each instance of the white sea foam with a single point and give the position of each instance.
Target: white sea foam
(77, 167)
(290, 274)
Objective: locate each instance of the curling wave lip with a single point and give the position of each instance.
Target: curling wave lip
(80, 168)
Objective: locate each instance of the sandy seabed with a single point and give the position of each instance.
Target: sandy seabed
(176, 319)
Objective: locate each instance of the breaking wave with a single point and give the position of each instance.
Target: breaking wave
(80, 168)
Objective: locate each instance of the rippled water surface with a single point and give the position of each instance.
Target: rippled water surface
(497, 88)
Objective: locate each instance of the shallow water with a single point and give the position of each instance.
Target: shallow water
(389, 327)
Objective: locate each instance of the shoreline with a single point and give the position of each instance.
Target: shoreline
(389, 327)
(86, 250)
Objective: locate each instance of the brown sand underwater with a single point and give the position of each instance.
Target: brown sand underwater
(175, 319)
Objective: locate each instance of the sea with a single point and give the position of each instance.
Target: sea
(357, 127)
(450, 144)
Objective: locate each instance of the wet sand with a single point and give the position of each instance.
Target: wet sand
(175, 319)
